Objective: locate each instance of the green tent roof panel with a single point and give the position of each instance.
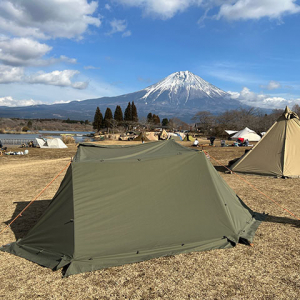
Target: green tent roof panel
(125, 204)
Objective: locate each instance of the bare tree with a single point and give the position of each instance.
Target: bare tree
(205, 121)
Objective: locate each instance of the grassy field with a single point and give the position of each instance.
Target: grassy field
(268, 270)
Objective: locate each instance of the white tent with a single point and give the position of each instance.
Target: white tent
(248, 134)
(51, 143)
(230, 132)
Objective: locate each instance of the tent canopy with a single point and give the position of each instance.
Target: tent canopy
(189, 138)
(152, 136)
(278, 152)
(125, 204)
(230, 132)
(141, 136)
(51, 143)
(248, 134)
(163, 135)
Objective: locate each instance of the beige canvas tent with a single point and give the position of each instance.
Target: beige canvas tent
(141, 137)
(51, 143)
(278, 152)
(248, 134)
(163, 135)
(152, 136)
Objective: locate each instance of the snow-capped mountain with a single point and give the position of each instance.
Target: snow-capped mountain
(181, 87)
(181, 94)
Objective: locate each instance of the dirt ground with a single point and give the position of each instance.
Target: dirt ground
(268, 270)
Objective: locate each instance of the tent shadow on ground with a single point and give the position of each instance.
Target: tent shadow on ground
(29, 218)
(282, 220)
(221, 169)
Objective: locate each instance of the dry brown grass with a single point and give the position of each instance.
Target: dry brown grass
(68, 139)
(269, 270)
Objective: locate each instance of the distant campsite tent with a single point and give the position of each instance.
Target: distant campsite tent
(181, 134)
(248, 134)
(278, 152)
(51, 143)
(163, 135)
(230, 132)
(191, 139)
(175, 137)
(152, 136)
(141, 136)
(125, 204)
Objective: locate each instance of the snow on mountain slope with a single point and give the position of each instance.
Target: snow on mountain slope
(181, 87)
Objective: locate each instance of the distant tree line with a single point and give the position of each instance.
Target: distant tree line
(237, 119)
(75, 121)
(111, 120)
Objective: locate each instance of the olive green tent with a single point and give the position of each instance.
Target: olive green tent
(278, 152)
(125, 204)
(175, 138)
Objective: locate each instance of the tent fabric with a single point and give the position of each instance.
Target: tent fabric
(152, 136)
(181, 134)
(141, 136)
(191, 138)
(125, 204)
(230, 132)
(278, 152)
(175, 137)
(248, 134)
(163, 135)
(51, 143)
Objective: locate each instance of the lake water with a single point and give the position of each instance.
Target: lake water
(19, 139)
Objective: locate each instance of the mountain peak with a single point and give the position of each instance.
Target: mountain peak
(181, 87)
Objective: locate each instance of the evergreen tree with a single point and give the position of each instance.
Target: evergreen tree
(127, 113)
(107, 118)
(149, 118)
(165, 122)
(118, 115)
(134, 115)
(29, 124)
(156, 119)
(98, 120)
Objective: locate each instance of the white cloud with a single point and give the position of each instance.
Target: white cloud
(63, 78)
(21, 51)
(58, 78)
(9, 101)
(273, 85)
(107, 6)
(61, 101)
(47, 18)
(228, 9)
(256, 9)
(90, 68)
(11, 74)
(260, 100)
(80, 85)
(164, 9)
(126, 33)
(27, 52)
(117, 26)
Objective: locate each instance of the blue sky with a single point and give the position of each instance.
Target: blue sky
(57, 51)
